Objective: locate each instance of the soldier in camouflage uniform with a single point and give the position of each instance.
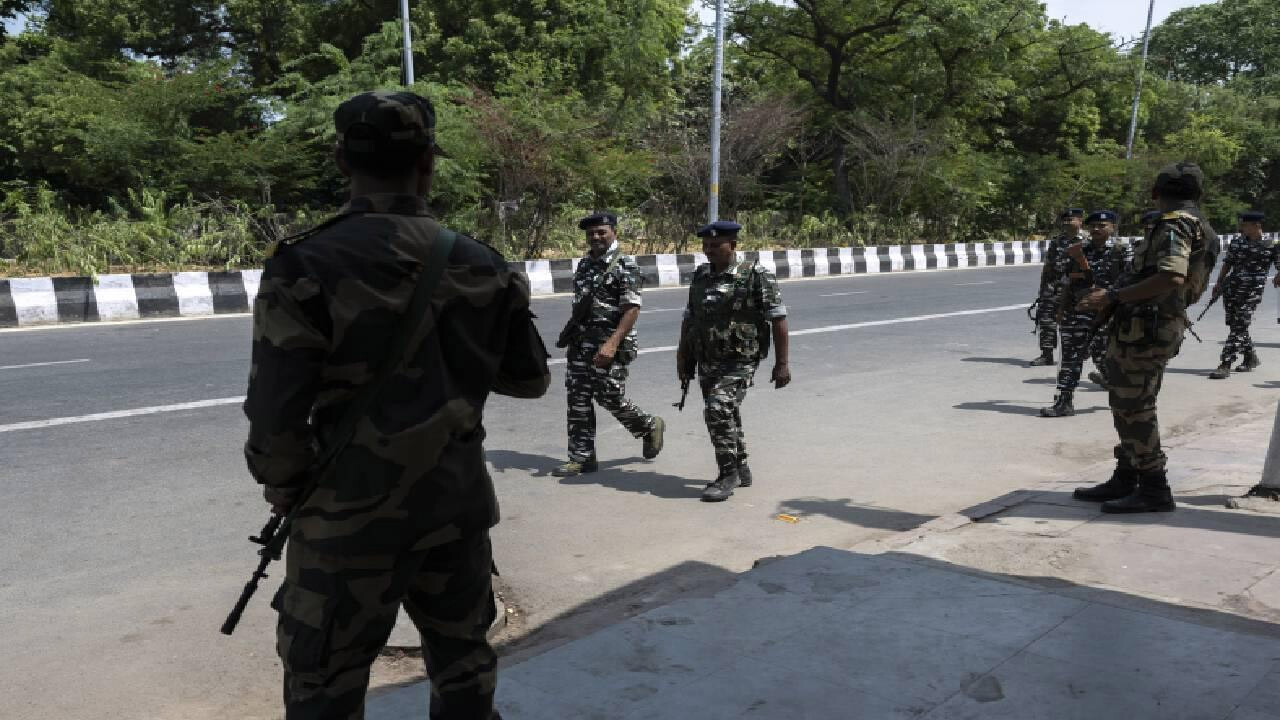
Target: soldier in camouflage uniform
(734, 310)
(1240, 282)
(402, 514)
(1050, 286)
(601, 343)
(1080, 331)
(1168, 271)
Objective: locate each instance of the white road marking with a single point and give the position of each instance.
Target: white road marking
(851, 326)
(855, 292)
(984, 282)
(43, 364)
(107, 323)
(53, 422)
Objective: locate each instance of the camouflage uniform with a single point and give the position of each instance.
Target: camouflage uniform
(1051, 290)
(1143, 338)
(612, 292)
(728, 312)
(1250, 262)
(402, 514)
(1080, 334)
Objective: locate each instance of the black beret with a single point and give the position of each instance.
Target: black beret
(1251, 216)
(1183, 180)
(1072, 213)
(720, 228)
(1100, 216)
(1151, 216)
(600, 218)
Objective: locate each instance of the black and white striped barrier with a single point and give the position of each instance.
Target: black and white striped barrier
(45, 300)
(41, 301)
(556, 276)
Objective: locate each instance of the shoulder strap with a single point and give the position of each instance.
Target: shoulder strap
(414, 316)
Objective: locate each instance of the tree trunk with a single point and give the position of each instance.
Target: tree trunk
(840, 169)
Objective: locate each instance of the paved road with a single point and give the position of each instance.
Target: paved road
(125, 536)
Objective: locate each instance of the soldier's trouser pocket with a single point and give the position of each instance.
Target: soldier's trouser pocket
(304, 634)
(1144, 333)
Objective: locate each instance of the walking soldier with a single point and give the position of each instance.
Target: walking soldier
(600, 340)
(734, 310)
(1240, 283)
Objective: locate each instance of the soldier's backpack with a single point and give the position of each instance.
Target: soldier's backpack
(1205, 249)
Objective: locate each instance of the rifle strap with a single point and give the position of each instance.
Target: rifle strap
(414, 316)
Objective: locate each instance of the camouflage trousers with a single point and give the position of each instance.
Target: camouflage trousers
(1047, 318)
(1079, 339)
(1240, 300)
(587, 385)
(336, 613)
(724, 387)
(1137, 353)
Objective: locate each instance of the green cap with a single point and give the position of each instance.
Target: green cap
(383, 121)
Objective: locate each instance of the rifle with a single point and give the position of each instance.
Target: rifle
(1217, 295)
(272, 538)
(275, 533)
(684, 395)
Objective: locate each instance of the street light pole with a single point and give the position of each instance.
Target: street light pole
(713, 199)
(408, 43)
(1137, 95)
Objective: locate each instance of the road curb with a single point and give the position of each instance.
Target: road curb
(27, 302)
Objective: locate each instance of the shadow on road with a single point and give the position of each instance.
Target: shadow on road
(1017, 362)
(614, 474)
(845, 510)
(1004, 406)
(1268, 385)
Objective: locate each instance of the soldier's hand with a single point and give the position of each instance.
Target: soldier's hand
(280, 499)
(1217, 287)
(1095, 300)
(1276, 282)
(604, 356)
(781, 376)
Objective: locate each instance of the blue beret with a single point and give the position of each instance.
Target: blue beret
(600, 218)
(1072, 213)
(1151, 216)
(1251, 216)
(1101, 216)
(719, 228)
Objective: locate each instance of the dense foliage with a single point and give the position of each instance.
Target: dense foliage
(145, 133)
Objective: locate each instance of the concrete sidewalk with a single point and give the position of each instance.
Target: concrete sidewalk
(1030, 606)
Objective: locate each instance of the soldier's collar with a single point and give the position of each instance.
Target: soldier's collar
(388, 203)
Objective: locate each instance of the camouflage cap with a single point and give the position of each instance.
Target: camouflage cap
(1183, 179)
(383, 121)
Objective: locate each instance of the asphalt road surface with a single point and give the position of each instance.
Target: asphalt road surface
(126, 503)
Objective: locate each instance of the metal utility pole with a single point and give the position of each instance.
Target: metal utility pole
(1137, 95)
(713, 199)
(408, 43)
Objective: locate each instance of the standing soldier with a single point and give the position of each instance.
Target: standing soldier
(600, 338)
(734, 309)
(1095, 264)
(1169, 271)
(1240, 283)
(1050, 289)
(377, 455)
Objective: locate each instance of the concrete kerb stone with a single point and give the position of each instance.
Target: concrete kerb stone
(26, 302)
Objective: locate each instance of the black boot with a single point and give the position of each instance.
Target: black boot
(721, 488)
(1251, 361)
(744, 474)
(1123, 481)
(1264, 492)
(1062, 406)
(1151, 495)
(1222, 373)
(1046, 358)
